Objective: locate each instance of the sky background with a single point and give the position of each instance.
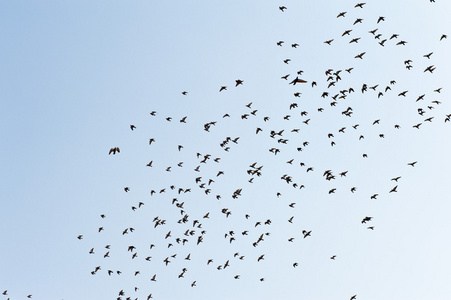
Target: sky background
(75, 74)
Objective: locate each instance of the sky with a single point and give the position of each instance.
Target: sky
(76, 74)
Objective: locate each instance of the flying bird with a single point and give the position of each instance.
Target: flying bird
(297, 80)
(360, 55)
(114, 150)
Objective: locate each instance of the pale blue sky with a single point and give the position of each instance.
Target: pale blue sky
(75, 74)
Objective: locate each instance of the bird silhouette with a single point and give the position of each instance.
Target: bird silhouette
(114, 150)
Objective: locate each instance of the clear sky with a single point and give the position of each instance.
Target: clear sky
(75, 75)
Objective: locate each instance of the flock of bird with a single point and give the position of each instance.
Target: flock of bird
(174, 235)
(195, 230)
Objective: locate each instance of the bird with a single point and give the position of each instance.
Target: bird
(306, 233)
(297, 80)
(360, 55)
(429, 69)
(428, 56)
(114, 150)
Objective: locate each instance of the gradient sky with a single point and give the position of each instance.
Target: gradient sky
(76, 74)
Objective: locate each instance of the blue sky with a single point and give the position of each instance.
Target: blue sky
(76, 75)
